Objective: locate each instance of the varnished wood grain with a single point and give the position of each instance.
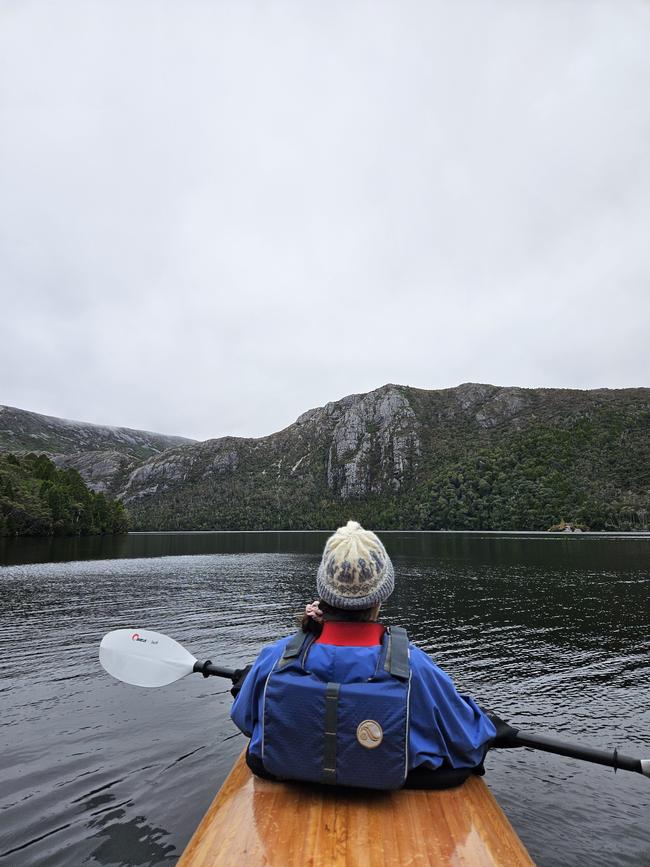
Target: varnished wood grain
(253, 822)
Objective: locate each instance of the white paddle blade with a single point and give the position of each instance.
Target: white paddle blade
(144, 658)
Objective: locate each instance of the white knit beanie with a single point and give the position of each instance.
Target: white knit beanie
(355, 571)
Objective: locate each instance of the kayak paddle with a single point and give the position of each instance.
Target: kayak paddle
(610, 758)
(145, 658)
(142, 657)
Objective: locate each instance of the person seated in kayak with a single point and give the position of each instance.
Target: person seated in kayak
(350, 701)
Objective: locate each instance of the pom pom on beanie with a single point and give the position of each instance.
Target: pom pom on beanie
(355, 571)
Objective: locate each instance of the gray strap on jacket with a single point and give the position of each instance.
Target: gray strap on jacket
(331, 721)
(292, 648)
(397, 656)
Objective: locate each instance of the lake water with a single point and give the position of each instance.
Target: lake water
(550, 631)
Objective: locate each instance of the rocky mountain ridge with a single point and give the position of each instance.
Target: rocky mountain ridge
(475, 455)
(101, 453)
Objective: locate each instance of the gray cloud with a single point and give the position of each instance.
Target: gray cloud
(215, 216)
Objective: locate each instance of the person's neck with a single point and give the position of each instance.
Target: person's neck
(351, 633)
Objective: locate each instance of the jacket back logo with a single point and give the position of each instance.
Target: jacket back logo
(370, 734)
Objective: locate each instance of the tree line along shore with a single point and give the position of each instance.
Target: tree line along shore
(590, 476)
(38, 499)
(540, 481)
(473, 457)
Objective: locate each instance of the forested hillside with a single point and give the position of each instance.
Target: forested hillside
(37, 499)
(471, 457)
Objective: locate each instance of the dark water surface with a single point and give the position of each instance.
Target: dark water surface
(550, 631)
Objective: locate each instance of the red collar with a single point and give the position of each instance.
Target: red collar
(342, 633)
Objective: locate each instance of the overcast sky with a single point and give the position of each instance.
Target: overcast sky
(216, 215)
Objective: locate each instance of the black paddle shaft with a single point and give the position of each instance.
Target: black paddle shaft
(515, 738)
(207, 668)
(610, 758)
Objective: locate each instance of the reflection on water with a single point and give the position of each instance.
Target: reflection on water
(550, 631)
(588, 550)
(59, 550)
(129, 842)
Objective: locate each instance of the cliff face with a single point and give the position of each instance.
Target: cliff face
(361, 445)
(391, 453)
(472, 456)
(104, 471)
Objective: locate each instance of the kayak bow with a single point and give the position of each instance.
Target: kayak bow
(254, 822)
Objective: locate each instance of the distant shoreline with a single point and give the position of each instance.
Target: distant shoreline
(560, 533)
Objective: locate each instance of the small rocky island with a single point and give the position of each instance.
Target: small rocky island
(567, 527)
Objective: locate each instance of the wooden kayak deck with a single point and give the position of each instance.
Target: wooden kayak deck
(254, 822)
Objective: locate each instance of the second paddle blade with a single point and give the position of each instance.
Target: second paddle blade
(144, 658)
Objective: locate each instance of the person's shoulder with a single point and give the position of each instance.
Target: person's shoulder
(282, 642)
(421, 663)
(419, 656)
(277, 648)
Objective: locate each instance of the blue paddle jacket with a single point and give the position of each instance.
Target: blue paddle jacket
(446, 729)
